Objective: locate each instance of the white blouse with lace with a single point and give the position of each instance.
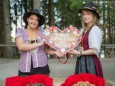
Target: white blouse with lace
(95, 39)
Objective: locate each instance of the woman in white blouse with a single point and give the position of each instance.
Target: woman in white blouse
(88, 55)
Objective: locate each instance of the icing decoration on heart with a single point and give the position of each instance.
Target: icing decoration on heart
(62, 40)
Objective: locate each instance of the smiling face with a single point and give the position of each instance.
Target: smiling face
(87, 16)
(32, 21)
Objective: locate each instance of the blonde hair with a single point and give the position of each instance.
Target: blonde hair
(94, 22)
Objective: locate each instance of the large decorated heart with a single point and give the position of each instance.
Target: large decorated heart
(62, 41)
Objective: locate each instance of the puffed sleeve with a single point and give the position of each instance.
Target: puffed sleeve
(19, 32)
(95, 39)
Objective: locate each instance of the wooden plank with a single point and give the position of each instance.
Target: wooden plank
(109, 45)
(3, 45)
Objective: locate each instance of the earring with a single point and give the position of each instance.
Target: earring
(28, 26)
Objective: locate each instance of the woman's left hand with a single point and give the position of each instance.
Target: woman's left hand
(59, 54)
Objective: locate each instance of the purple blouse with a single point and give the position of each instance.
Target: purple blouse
(37, 57)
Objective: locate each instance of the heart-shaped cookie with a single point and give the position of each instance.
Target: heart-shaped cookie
(62, 41)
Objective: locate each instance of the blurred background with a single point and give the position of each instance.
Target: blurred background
(60, 13)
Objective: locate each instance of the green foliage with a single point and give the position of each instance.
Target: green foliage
(75, 4)
(68, 13)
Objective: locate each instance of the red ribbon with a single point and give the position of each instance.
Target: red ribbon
(67, 56)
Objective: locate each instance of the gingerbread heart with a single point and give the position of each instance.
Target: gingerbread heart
(62, 41)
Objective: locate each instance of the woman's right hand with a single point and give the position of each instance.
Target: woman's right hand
(42, 42)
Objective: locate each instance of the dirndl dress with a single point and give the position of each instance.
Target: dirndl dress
(88, 63)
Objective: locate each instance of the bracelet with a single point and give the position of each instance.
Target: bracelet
(80, 52)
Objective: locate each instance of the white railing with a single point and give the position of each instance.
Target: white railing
(109, 50)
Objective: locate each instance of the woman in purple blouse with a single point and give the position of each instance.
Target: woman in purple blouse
(33, 58)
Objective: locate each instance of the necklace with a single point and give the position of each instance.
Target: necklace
(32, 36)
(85, 31)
